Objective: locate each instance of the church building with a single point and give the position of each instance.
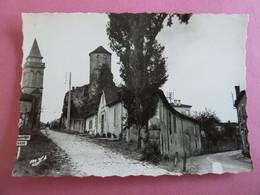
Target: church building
(32, 88)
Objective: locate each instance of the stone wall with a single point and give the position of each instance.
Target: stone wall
(97, 60)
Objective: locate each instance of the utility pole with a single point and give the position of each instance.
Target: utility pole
(69, 104)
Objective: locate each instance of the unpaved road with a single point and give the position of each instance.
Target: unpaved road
(89, 158)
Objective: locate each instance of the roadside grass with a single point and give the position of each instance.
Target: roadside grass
(57, 162)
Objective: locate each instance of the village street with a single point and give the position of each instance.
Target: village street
(230, 162)
(89, 158)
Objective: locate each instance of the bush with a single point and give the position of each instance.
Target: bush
(151, 153)
(55, 125)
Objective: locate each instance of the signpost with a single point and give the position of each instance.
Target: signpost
(22, 140)
(21, 143)
(24, 137)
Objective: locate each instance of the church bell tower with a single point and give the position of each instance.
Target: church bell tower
(32, 79)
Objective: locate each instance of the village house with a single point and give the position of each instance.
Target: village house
(240, 105)
(98, 110)
(108, 119)
(175, 133)
(182, 108)
(180, 134)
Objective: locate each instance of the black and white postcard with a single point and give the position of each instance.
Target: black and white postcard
(133, 94)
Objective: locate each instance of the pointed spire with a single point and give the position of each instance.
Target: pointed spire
(35, 52)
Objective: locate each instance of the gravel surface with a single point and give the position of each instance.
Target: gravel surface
(89, 158)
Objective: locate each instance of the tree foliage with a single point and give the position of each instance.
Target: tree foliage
(208, 121)
(142, 63)
(106, 76)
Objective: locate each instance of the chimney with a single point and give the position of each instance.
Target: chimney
(179, 102)
(237, 88)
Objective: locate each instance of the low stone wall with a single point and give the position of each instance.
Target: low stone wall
(223, 145)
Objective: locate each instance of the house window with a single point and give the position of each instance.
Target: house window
(161, 112)
(174, 124)
(90, 124)
(187, 112)
(170, 122)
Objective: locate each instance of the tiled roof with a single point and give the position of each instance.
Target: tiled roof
(100, 49)
(92, 107)
(111, 94)
(181, 105)
(165, 101)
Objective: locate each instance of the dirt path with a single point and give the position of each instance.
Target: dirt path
(92, 159)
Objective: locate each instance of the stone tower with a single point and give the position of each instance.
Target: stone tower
(32, 79)
(98, 58)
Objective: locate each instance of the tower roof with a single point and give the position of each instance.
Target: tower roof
(100, 49)
(35, 52)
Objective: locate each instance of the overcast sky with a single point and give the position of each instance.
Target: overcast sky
(205, 59)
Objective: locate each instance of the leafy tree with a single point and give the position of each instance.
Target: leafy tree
(143, 65)
(105, 77)
(208, 120)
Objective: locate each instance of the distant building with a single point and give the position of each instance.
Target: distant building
(240, 105)
(85, 99)
(32, 87)
(182, 108)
